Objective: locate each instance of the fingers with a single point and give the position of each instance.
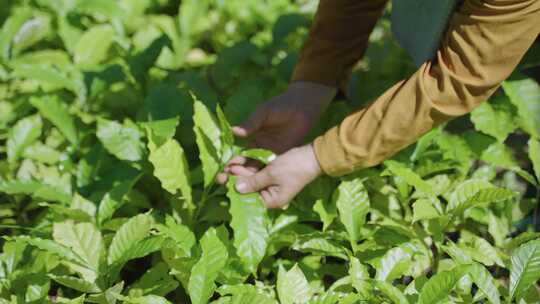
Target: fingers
(242, 171)
(222, 178)
(254, 183)
(272, 198)
(254, 122)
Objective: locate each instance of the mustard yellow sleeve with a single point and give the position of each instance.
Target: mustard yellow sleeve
(485, 41)
(337, 40)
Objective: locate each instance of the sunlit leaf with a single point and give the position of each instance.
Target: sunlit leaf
(440, 285)
(84, 239)
(214, 257)
(393, 264)
(208, 137)
(250, 224)
(133, 231)
(171, 168)
(93, 45)
(121, 140)
(352, 201)
(53, 109)
(292, 286)
(23, 134)
(525, 267)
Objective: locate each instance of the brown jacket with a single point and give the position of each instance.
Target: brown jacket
(483, 44)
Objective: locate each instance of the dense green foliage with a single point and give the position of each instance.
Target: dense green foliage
(115, 118)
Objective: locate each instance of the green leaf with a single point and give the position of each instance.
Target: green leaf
(22, 135)
(51, 78)
(352, 201)
(480, 250)
(534, 155)
(408, 175)
(109, 296)
(31, 32)
(393, 264)
(524, 93)
(525, 268)
(121, 140)
(19, 187)
(54, 248)
(183, 237)
(171, 168)
(84, 239)
(320, 246)
(76, 283)
(192, 18)
(42, 153)
(156, 280)
(208, 138)
(114, 199)
(37, 190)
(250, 224)
(423, 209)
(227, 136)
(485, 282)
(137, 250)
(37, 287)
(475, 192)
(133, 231)
(53, 109)
(10, 28)
(439, 286)
(359, 276)
(494, 118)
(262, 155)
(93, 46)
(392, 292)
(201, 285)
(292, 286)
(150, 299)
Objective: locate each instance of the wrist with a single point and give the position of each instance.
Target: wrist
(314, 170)
(311, 98)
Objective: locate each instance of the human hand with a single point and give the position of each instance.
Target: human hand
(284, 121)
(280, 181)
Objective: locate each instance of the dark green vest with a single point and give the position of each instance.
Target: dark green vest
(418, 25)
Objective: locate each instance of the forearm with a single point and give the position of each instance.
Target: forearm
(484, 43)
(337, 40)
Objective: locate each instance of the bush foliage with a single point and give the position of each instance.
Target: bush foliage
(115, 118)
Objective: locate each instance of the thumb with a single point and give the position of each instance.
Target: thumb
(252, 124)
(254, 183)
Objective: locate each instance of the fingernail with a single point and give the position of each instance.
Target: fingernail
(241, 187)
